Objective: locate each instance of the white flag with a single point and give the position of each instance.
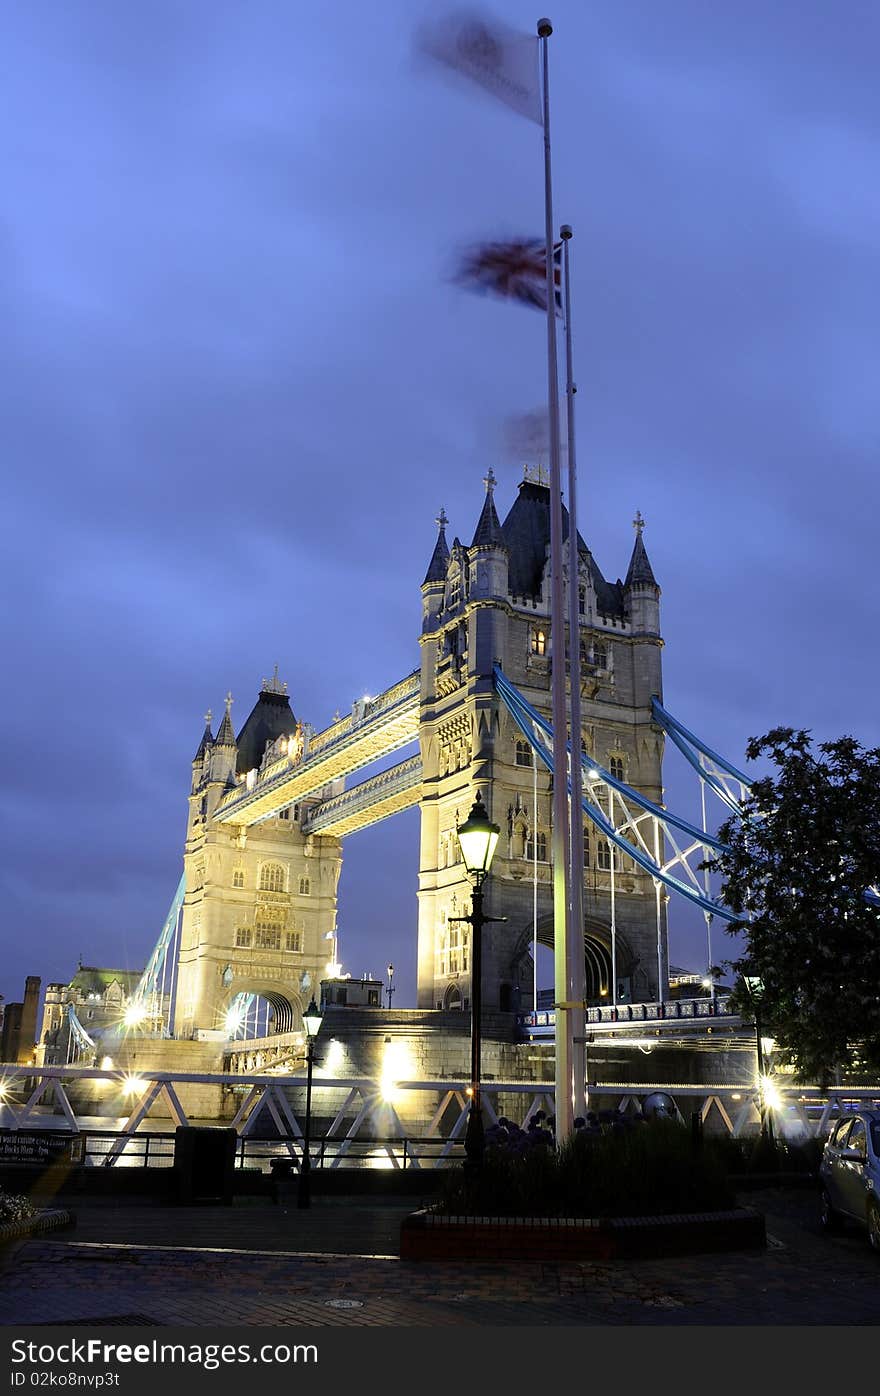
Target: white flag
(501, 59)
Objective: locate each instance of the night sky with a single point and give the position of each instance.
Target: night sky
(238, 384)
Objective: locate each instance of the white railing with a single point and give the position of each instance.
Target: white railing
(370, 1111)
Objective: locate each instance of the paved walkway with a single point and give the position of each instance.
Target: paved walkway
(254, 1264)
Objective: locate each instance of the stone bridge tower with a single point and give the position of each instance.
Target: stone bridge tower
(259, 915)
(487, 602)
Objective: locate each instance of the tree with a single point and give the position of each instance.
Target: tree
(796, 869)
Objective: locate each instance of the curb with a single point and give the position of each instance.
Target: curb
(50, 1220)
(430, 1235)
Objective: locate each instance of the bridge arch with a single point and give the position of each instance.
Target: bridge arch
(258, 1010)
(597, 955)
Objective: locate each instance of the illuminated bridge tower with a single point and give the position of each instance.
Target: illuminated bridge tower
(259, 916)
(489, 602)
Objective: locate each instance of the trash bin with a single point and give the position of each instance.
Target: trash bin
(204, 1164)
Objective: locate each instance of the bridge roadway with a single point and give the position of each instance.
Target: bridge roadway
(372, 730)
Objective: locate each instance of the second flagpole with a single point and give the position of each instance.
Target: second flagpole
(577, 993)
(564, 1077)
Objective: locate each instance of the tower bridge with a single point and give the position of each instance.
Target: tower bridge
(269, 806)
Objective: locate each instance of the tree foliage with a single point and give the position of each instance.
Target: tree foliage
(796, 869)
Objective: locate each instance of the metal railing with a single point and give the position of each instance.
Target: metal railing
(367, 1128)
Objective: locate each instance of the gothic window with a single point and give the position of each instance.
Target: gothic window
(582, 600)
(305, 887)
(604, 855)
(537, 845)
(454, 938)
(615, 767)
(272, 877)
(586, 848)
(284, 813)
(585, 658)
(538, 640)
(296, 812)
(454, 590)
(238, 878)
(243, 938)
(523, 753)
(268, 937)
(293, 940)
(600, 655)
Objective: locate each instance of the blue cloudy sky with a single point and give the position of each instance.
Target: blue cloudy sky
(237, 385)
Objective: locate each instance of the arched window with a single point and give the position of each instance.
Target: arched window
(243, 937)
(268, 928)
(238, 877)
(582, 600)
(585, 654)
(615, 766)
(523, 753)
(293, 940)
(305, 887)
(537, 846)
(272, 877)
(604, 853)
(600, 655)
(539, 640)
(586, 848)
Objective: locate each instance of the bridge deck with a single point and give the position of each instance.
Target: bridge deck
(372, 731)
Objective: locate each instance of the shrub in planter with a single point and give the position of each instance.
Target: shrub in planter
(646, 1169)
(14, 1208)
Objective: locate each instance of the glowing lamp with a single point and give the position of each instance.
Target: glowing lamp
(312, 1020)
(477, 838)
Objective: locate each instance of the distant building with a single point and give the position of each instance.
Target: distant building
(351, 993)
(686, 984)
(17, 1042)
(99, 998)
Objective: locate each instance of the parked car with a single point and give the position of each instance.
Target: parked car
(849, 1173)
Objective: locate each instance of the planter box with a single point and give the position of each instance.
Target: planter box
(431, 1235)
(49, 1220)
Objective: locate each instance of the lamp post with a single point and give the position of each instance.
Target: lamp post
(754, 988)
(390, 989)
(477, 838)
(312, 1023)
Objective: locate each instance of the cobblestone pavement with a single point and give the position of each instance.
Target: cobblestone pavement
(335, 1265)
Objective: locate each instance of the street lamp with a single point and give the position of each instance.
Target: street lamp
(754, 988)
(312, 1023)
(477, 838)
(390, 989)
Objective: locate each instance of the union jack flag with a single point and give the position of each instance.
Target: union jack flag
(515, 270)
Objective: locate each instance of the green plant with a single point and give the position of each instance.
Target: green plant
(644, 1170)
(14, 1208)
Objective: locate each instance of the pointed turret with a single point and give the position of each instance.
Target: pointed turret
(226, 734)
(207, 740)
(440, 557)
(640, 572)
(643, 604)
(435, 578)
(202, 757)
(488, 531)
(224, 752)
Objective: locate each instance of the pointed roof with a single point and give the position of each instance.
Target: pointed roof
(526, 531)
(640, 571)
(226, 735)
(270, 718)
(207, 739)
(440, 557)
(488, 531)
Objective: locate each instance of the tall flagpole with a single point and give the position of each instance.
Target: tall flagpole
(577, 993)
(561, 952)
